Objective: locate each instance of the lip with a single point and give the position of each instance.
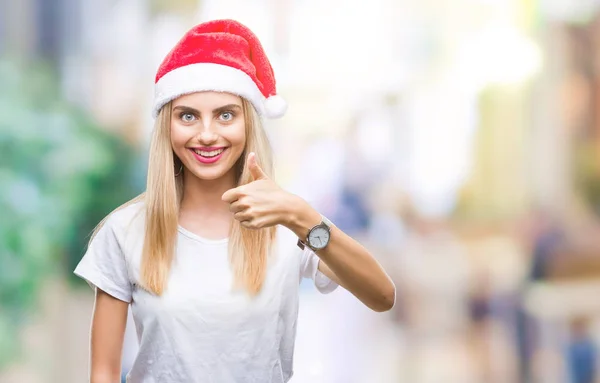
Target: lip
(205, 160)
(208, 148)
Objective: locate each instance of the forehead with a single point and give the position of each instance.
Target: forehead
(207, 100)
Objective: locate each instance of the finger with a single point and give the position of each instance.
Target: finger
(231, 195)
(237, 206)
(250, 224)
(246, 224)
(255, 170)
(243, 216)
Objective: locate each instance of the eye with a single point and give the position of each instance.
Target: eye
(226, 116)
(187, 117)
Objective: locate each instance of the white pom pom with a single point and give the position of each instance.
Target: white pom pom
(275, 106)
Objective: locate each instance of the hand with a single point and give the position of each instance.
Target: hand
(260, 203)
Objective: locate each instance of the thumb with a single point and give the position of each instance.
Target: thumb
(255, 170)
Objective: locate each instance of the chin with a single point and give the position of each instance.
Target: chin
(209, 174)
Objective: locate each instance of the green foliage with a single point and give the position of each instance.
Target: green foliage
(59, 174)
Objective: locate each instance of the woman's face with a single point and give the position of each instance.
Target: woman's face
(208, 132)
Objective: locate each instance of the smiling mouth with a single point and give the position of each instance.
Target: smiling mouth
(208, 154)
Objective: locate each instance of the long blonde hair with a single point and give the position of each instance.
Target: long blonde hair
(248, 249)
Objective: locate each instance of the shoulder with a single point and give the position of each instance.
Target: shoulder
(125, 229)
(127, 214)
(127, 221)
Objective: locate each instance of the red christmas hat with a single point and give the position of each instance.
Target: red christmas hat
(223, 56)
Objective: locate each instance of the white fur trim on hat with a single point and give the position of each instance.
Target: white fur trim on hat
(275, 106)
(208, 77)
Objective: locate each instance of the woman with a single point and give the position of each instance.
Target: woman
(211, 255)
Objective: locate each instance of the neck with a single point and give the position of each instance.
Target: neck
(204, 196)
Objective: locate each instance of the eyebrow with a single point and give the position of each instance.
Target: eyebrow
(215, 111)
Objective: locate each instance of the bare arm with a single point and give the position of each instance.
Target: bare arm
(347, 262)
(262, 203)
(108, 330)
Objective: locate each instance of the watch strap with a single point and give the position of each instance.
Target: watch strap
(324, 221)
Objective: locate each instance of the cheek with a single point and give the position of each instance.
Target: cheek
(240, 139)
(237, 138)
(178, 138)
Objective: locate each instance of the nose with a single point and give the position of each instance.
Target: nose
(207, 133)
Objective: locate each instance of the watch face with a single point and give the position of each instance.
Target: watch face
(319, 237)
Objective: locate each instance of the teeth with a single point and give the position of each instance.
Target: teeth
(209, 154)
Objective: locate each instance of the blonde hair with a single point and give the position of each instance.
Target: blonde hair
(248, 248)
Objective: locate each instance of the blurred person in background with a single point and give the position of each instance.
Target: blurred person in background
(481, 325)
(582, 354)
(203, 256)
(545, 237)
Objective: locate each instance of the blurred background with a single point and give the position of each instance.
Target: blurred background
(458, 140)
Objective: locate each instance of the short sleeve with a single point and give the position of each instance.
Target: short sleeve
(309, 268)
(104, 266)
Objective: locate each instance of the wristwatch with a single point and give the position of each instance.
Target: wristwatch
(318, 236)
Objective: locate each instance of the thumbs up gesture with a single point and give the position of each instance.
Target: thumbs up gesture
(255, 169)
(260, 203)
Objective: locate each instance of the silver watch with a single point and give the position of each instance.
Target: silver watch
(318, 236)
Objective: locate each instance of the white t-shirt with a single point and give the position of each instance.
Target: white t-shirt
(200, 330)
